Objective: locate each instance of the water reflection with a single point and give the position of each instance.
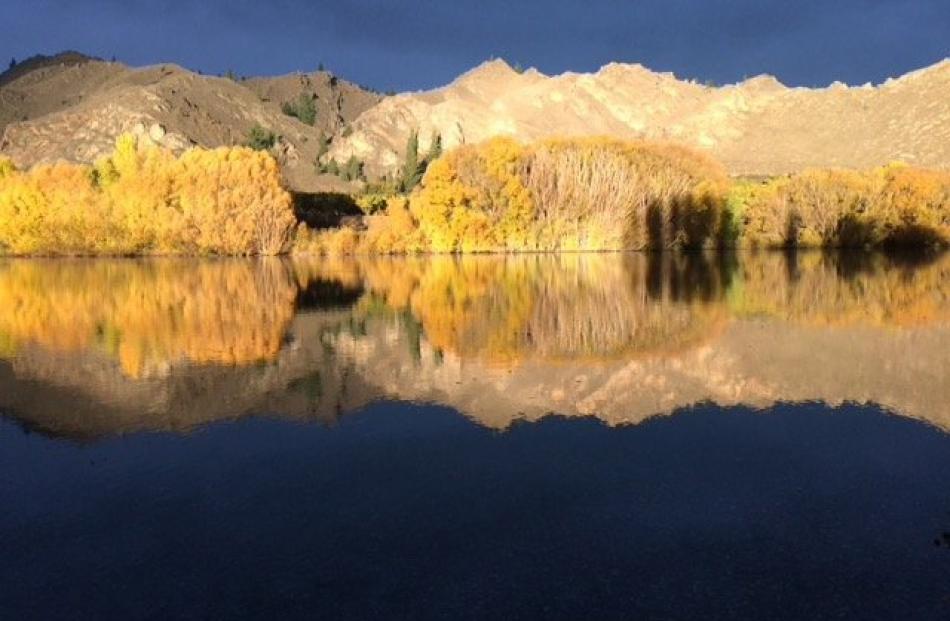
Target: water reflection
(92, 348)
(148, 314)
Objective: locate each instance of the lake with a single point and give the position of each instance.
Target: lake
(525, 437)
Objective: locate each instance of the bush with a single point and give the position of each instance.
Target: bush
(6, 166)
(235, 200)
(304, 109)
(372, 202)
(336, 242)
(352, 170)
(144, 200)
(608, 194)
(260, 138)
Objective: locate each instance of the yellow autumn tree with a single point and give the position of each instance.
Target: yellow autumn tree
(143, 200)
(564, 194)
(890, 205)
(232, 202)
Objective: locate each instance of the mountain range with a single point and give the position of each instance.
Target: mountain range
(71, 106)
(756, 127)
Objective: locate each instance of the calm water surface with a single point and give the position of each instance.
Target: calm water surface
(581, 436)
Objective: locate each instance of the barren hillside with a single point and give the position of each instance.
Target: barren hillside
(337, 102)
(72, 107)
(758, 126)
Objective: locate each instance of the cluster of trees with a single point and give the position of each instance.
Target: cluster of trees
(404, 181)
(500, 195)
(304, 108)
(143, 199)
(893, 205)
(577, 194)
(606, 194)
(350, 170)
(414, 167)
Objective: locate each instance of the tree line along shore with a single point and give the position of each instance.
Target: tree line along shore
(566, 194)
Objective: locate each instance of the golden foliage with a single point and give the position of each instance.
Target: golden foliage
(891, 205)
(605, 194)
(143, 200)
(570, 194)
(395, 231)
(6, 166)
(599, 193)
(563, 194)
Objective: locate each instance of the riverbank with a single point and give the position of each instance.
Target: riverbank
(595, 194)
(561, 195)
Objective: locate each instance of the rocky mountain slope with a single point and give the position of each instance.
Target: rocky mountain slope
(758, 126)
(72, 107)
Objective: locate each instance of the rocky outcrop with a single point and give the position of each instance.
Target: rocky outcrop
(756, 127)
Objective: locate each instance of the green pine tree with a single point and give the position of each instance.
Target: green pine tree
(412, 168)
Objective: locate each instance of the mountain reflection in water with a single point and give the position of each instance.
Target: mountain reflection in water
(91, 348)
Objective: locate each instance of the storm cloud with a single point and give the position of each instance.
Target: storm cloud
(403, 45)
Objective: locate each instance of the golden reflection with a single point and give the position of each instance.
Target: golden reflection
(566, 307)
(591, 307)
(836, 289)
(149, 313)
(619, 336)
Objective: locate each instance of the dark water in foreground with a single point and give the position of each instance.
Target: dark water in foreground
(601, 436)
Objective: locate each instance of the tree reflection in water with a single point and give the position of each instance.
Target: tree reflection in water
(619, 336)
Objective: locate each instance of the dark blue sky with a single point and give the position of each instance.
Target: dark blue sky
(408, 45)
